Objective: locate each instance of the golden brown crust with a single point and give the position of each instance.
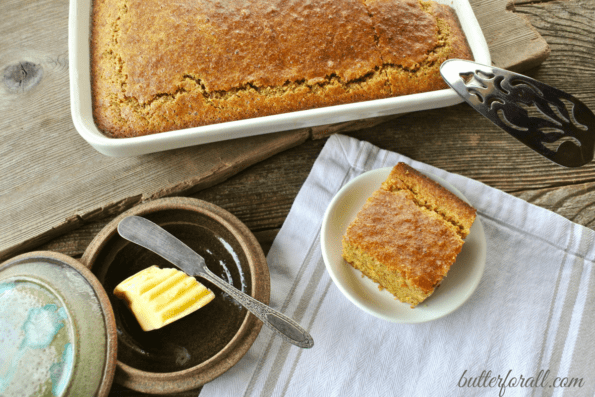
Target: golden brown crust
(432, 195)
(406, 33)
(412, 227)
(405, 237)
(418, 71)
(158, 66)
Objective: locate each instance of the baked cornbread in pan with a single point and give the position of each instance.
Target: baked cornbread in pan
(408, 234)
(161, 65)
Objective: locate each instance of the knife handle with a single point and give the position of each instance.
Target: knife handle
(147, 234)
(284, 326)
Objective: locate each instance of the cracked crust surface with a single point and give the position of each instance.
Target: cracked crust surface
(159, 66)
(429, 194)
(408, 234)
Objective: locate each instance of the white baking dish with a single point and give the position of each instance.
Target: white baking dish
(82, 114)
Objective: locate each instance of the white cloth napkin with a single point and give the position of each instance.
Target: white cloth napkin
(532, 311)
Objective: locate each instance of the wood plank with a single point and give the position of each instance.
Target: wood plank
(93, 186)
(53, 181)
(508, 34)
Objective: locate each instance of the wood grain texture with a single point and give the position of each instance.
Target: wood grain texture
(53, 181)
(508, 47)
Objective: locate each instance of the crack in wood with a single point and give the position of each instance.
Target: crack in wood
(556, 206)
(553, 186)
(581, 211)
(575, 202)
(531, 2)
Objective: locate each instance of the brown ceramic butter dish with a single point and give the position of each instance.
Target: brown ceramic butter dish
(195, 349)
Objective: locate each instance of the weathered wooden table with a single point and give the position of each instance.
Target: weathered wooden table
(260, 188)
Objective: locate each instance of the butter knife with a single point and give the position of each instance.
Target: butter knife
(147, 234)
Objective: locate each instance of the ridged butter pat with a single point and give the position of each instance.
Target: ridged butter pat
(158, 297)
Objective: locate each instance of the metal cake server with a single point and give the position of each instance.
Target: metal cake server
(550, 121)
(147, 234)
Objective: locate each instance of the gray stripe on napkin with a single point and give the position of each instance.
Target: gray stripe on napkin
(297, 359)
(267, 351)
(565, 319)
(371, 159)
(583, 363)
(282, 353)
(551, 314)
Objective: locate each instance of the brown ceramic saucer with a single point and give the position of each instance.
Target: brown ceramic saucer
(198, 348)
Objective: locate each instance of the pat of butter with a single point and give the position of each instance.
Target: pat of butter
(158, 297)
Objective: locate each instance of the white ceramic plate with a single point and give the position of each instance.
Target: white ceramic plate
(79, 23)
(456, 288)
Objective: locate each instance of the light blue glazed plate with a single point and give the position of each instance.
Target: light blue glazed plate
(57, 331)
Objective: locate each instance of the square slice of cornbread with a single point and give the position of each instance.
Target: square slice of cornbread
(408, 234)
